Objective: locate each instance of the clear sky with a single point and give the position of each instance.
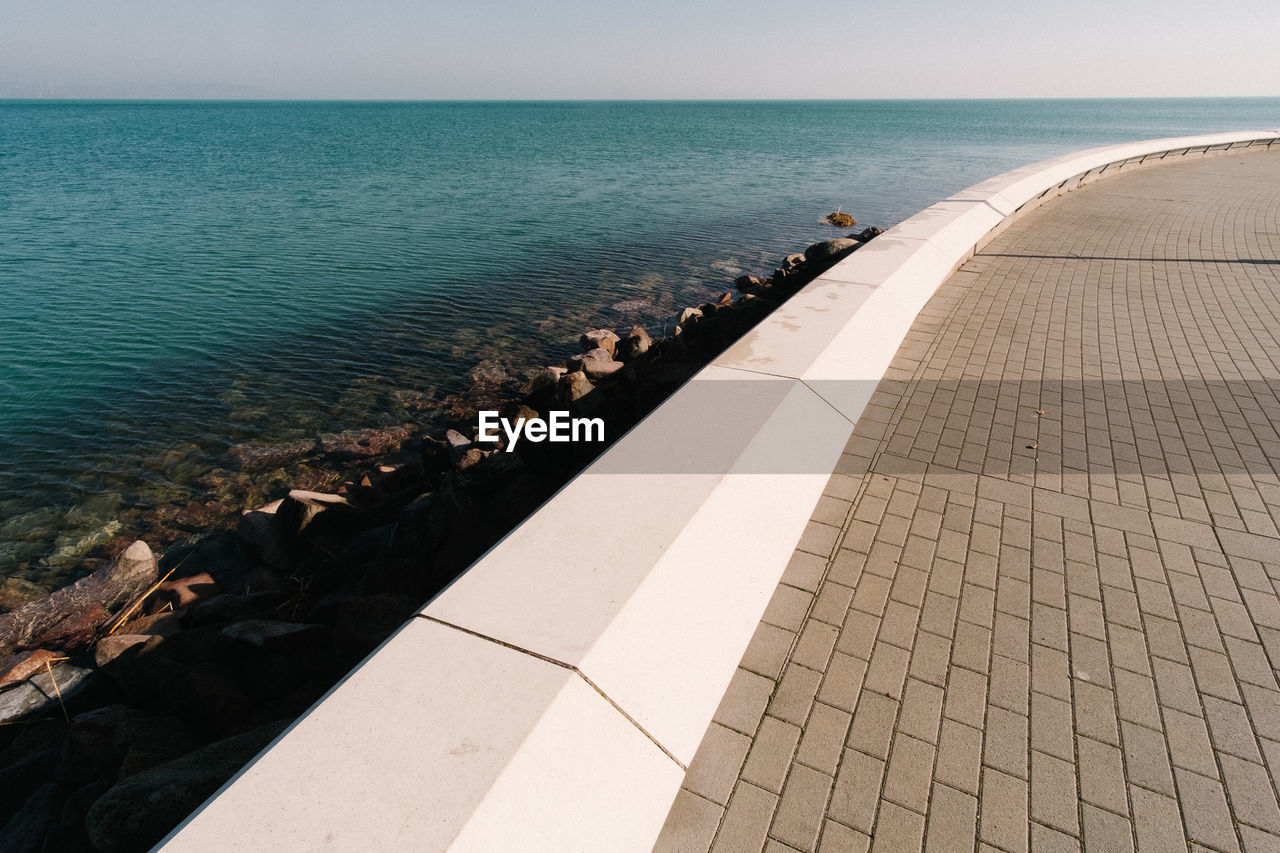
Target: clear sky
(637, 49)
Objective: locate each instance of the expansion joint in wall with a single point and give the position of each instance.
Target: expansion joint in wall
(562, 665)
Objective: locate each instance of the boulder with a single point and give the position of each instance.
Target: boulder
(830, 250)
(598, 363)
(421, 526)
(688, 317)
(743, 282)
(870, 233)
(112, 585)
(274, 635)
(605, 339)
(458, 445)
(635, 344)
(792, 262)
(38, 695)
(110, 648)
(139, 811)
(544, 378)
(260, 537)
(28, 664)
(185, 592)
(76, 631)
(572, 387)
(301, 508)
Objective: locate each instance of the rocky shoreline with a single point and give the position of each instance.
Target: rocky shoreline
(130, 696)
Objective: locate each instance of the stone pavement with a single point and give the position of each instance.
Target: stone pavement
(1037, 606)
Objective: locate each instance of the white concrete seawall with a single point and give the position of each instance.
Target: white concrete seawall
(552, 697)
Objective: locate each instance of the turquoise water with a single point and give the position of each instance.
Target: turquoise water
(180, 277)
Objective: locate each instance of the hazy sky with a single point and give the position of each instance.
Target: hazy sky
(637, 49)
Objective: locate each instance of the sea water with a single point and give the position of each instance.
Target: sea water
(178, 278)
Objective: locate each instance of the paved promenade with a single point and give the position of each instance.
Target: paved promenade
(1037, 607)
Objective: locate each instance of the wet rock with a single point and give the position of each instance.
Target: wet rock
(688, 317)
(257, 601)
(793, 262)
(260, 536)
(458, 445)
(38, 695)
(635, 344)
(160, 624)
(545, 378)
(128, 574)
(597, 363)
(605, 339)
(301, 508)
(470, 458)
(27, 664)
(830, 250)
(870, 233)
(74, 632)
(573, 387)
(138, 811)
(185, 592)
(110, 648)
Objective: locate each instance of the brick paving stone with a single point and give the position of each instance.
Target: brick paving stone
(838, 838)
(691, 825)
(744, 701)
(800, 812)
(770, 755)
(1204, 807)
(716, 764)
(1107, 832)
(873, 722)
(1046, 840)
(1053, 793)
(952, 822)
(1002, 811)
(898, 830)
(855, 800)
(909, 774)
(1252, 794)
(824, 738)
(768, 650)
(746, 821)
(921, 711)
(1068, 647)
(1157, 821)
(795, 694)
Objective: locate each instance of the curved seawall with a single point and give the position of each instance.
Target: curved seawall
(552, 697)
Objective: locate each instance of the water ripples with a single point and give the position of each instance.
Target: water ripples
(181, 278)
